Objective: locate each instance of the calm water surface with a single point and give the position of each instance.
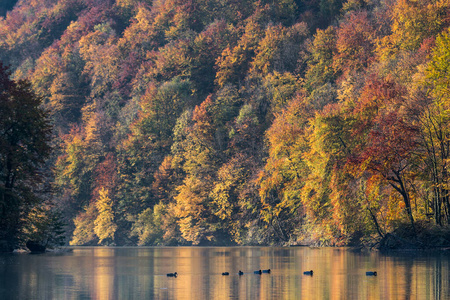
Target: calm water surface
(140, 273)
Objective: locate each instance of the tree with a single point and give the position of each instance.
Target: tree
(43, 226)
(147, 227)
(25, 133)
(167, 177)
(84, 225)
(225, 204)
(285, 170)
(333, 213)
(105, 227)
(412, 22)
(99, 51)
(200, 153)
(233, 64)
(320, 67)
(279, 49)
(436, 124)
(80, 153)
(161, 107)
(354, 43)
(207, 47)
(281, 88)
(382, 150)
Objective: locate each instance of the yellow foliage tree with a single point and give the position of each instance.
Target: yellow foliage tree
(84, 223)
(105, 227)
(412, 22)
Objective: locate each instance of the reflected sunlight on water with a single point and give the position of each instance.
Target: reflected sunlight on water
(140, 273)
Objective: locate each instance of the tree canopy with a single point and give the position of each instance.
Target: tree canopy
(210, 122)
(25, 136)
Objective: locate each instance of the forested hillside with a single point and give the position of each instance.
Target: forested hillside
(203, 122)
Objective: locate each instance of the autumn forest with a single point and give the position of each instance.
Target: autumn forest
(227, 122)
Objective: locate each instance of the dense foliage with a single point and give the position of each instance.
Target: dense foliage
(241, 122)
(25, 134)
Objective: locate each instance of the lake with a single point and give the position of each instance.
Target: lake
(140, 273)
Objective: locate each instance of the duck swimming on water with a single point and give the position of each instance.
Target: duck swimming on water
(266, 271)
(309, 273)
(371, 273)
(172, 274)
(240, 273)
(257, 272)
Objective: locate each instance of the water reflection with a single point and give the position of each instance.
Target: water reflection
(140, 273)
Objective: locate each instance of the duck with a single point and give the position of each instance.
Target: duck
(257, 272)
(371, 273)
(225, 273)
(266, 271)
(172, 274)
(240, 273)
(309, 273)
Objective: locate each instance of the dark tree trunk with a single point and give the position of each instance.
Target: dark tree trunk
(401, 188)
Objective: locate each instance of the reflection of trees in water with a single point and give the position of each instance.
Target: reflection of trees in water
(418, 274)
(437, 276)
(409, 269)
(140, 273)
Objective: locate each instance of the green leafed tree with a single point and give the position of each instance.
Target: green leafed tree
(148, 226)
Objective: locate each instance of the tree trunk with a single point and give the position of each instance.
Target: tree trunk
(375, 221)
(447, 205)
(401, 188)
(437, 206)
